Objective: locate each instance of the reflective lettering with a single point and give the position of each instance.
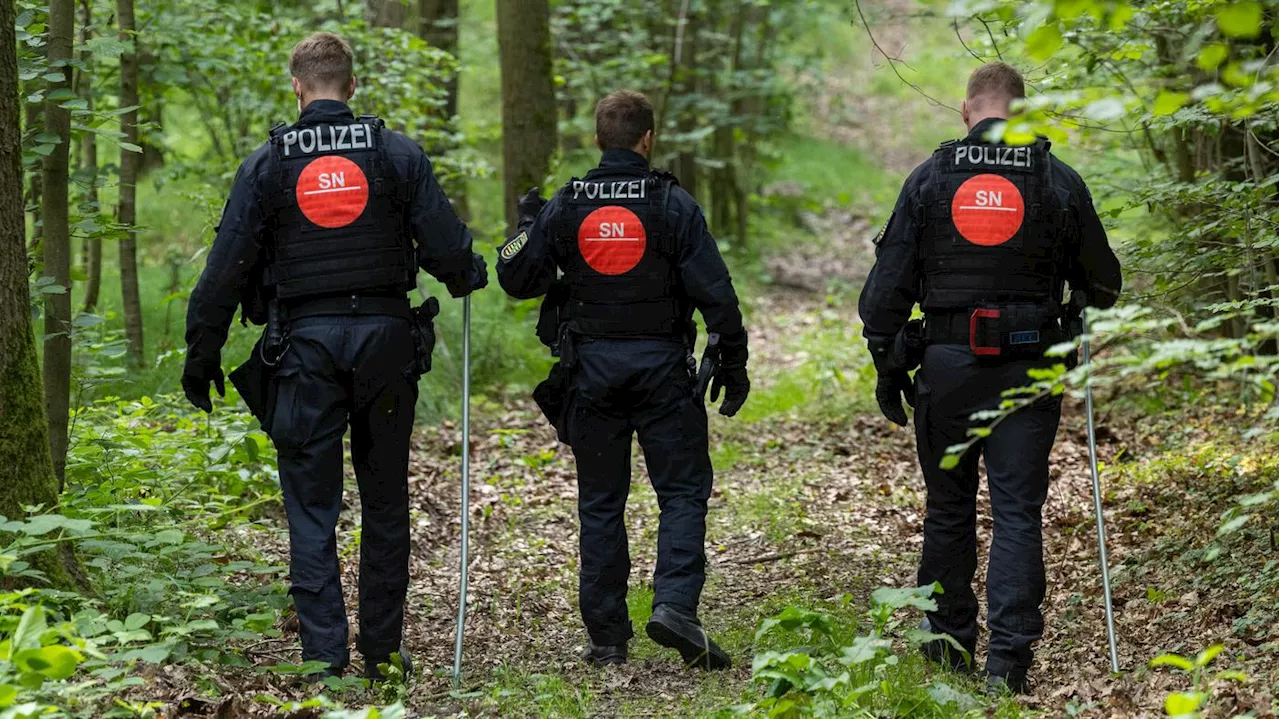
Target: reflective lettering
(624, 190)
(329, 138)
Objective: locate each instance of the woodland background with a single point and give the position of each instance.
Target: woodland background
(142, 543)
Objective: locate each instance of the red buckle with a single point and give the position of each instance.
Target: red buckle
(977, 349)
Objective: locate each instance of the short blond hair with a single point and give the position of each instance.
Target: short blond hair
(997, 81)
(323, 61)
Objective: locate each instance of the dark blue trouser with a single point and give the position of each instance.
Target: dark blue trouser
(951, 385)
(339, 371)
(641, 386)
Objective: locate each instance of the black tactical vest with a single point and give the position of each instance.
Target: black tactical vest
(994, 228)
(338, 209)
(619, 255)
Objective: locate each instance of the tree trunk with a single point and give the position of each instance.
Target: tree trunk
(528, 97)
(438, 25)
(89, 158)
(57, 237)
(130, 164)
(24, 434)
(34, 121)
(384, 13)
(686, 62)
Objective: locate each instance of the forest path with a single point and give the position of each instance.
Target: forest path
(804, 510)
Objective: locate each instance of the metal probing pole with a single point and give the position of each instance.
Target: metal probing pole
(1097, 495)
(466, 489)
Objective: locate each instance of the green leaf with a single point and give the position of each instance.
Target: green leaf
(1168, 102)
(1206, 656)
(946, 694)
(1044, 41)
(950, 461)
(1212, 56)
(1183, 704)
(8, 694)
(130, 147)
(1240, 19)
(1234, 524)
(30, 627)
(1173, 660)
(136, 621)
(900, 598)
(52, 662)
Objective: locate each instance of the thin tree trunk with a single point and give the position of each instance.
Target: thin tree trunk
(34, 121)
(528, 97)
(89, 157)
(130, 164)
(385, 13)
(438, 25)
(686, 60)
(57, 238)
(28, 476)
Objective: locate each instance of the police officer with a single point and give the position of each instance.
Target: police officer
(637, 260)
(983, 237)
(331, 209)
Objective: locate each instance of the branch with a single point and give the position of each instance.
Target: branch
(956, 24)
(858, 5)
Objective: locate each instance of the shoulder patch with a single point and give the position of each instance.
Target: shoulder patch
(883, 228)
(512, 248)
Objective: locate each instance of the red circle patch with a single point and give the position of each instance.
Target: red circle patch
(332, 191)
(987, 210)
(612, 240)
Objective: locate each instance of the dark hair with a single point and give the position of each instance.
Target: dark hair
(622, 118)
(322, 62)
(997, 81)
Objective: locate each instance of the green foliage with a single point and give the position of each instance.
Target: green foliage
(1188, 704)
(829, 676)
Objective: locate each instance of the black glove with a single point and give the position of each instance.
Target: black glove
(195, 384)
(478, 280)
(736, 388)
(529, 206)
(891, 389)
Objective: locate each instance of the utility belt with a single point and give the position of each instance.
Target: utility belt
(1009, 331)
(392, 306)
(421, 321)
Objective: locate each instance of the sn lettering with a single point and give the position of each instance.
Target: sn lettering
(613, 229)
(989, 198)
(330, 180)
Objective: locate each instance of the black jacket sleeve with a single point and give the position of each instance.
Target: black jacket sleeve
(526, 265)
(705, 277)
(1092, 266)
(443, 240)
(892, 287)
(235, 251)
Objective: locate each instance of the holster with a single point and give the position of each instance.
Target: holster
(551, 316)
(253, 381)
(275, 339)
(424, 334)
(907, 351)
(710, 365)
(553, 397)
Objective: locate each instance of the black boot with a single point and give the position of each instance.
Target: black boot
(373, 674)
(680, 630)
(940, 651)
(604, 654)
(1012, 682)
